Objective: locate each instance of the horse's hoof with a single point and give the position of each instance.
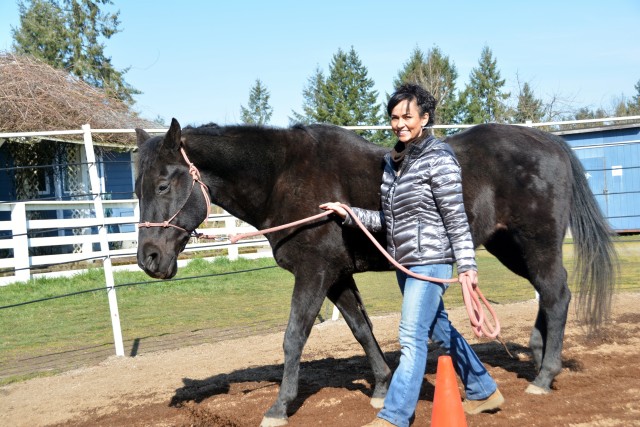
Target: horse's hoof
(377, 402)
(273, 422)
(534, 389)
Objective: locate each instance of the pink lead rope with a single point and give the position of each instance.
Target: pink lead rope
(472, 296)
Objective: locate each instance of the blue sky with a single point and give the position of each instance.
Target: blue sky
(198, 60)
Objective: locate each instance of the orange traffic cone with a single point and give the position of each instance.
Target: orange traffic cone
(447, 405)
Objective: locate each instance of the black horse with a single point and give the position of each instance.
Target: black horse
(522, 188)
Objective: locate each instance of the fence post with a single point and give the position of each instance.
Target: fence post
(20, 242)
(232, 249)
(336, 313)
(96, 191)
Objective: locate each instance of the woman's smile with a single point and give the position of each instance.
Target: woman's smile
(406, 121)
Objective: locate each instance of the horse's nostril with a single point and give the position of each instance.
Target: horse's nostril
(151, 259)
(148, 259)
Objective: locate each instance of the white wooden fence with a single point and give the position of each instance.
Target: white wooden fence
(19, 228)
(86, 243)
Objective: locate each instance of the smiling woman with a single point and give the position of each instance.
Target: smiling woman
(423, 214)
(410, 114)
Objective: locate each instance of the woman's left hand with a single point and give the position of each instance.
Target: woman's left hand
(469, 276)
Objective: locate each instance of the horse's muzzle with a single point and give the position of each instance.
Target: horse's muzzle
(156, 263)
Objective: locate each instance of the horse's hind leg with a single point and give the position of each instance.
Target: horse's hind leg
(547, 335)
(308, 294)
(539, 260)
(346, 297)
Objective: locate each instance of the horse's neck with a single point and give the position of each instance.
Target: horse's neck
(238, 181)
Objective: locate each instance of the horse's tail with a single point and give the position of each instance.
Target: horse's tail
(595, 260)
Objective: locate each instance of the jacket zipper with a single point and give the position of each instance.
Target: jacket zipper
(392, 192)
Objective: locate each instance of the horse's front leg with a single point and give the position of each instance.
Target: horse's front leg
(307, 299)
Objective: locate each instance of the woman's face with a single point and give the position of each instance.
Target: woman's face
(406, 121)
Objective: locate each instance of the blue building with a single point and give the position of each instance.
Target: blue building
(611, 158)
(62, 174)
(54, 170)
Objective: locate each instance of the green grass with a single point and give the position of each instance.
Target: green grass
(153, 308)
(251, 300)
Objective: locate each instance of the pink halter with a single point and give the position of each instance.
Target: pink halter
(195, 174)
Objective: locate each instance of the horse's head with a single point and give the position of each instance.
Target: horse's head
(172, 204)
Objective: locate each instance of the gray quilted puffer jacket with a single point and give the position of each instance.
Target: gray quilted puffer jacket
(422, 209)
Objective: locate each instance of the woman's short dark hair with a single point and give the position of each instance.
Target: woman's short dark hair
(410, 91)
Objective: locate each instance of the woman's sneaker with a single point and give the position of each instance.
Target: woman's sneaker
(491, 403)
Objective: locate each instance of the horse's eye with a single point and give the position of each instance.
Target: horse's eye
(163, 188)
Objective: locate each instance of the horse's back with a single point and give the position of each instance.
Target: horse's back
(509, 145)
(514, 178)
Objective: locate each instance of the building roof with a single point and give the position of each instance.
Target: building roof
(37, 97)
(603, 128)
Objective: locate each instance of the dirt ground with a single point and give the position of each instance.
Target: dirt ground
(233, 383)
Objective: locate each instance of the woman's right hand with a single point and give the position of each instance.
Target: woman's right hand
(336, 208)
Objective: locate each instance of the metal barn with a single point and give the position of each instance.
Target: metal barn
(611, 158)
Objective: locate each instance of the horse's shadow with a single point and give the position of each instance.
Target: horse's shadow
(352, 373)
(516, 358)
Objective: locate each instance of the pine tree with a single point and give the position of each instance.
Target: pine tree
(633, 106)
(68, 34)
(585, 113)
(622, 109)
(438, 75)
(413, 71)
(344, 98)
(529, 107)
(314, 104)
(483, 99)
(42, 33)
(258, 111)
(636, 97)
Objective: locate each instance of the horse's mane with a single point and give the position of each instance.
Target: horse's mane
(314, 132)
(214, 129)
(209, 128)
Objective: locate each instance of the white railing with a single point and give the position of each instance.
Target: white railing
(528, 124)
(23, 235)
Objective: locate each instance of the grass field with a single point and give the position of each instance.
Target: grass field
(205, 296)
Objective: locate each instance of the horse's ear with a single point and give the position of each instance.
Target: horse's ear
(173, 136)
(142, 136)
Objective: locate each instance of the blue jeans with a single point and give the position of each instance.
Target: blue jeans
(423, 317)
